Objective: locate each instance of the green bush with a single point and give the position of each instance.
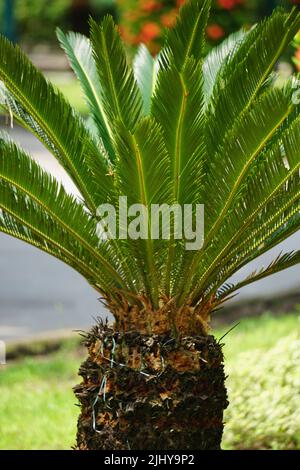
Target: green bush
(264, 394)
(36, 20)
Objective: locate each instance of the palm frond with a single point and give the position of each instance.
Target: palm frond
(186, 38)
(177, 106)
(145, 69)
(99, 168)
(10, 226)
(281, 164)
(80, 55)
(217, 59)
(31, 183)
(142, 174)
(233, 162)
(170, 131)
(282, 262)
(45, 104)
(120, 92)
(257, 240)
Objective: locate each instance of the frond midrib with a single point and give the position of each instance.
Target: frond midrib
(222, 216)
(176, 173)
(46, 237)
(69, 229)
(244, 225)
(111, 78)
(43, 124)
(144, 199)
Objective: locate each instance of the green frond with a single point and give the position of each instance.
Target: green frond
(145, 69)
(282, 262)
(120, 91)
(142, 174)
(178, 129)
(186, 38)
(243, 77)
(240, 149)
(79, 52)
(35, 185)
(217, 59)
(264, 234)
(51, 113)
(232, 163)
(177, 106)
(10, 226)
(98, 164)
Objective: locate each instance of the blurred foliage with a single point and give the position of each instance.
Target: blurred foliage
(36, 20)
(144, 20)
(296, 58)
(140, 20)
(264, 395)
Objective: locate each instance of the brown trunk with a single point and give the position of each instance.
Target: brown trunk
(150, 391)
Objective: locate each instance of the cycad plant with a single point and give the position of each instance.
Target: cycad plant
(182, 129)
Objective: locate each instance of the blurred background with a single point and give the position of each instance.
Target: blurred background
(43, 301)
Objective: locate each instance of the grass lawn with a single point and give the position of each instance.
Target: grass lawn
(37, 407)
(71, 89)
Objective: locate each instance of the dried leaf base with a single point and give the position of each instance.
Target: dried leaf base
(150, 392)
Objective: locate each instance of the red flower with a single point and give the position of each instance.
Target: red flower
(149, 32)
(168, 19)
(227, 4)
(215, 32)
(152, 5)
(297, 59)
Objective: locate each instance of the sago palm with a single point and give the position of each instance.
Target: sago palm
(184, 128)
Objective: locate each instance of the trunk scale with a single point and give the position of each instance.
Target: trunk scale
(146, 390)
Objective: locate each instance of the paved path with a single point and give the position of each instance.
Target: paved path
(40, 294)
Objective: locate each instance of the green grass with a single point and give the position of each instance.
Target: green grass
(37, 407)
(72, 91)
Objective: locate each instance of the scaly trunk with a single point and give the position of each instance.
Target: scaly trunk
(150, 391)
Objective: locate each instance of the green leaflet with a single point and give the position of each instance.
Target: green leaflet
(145, 69)
(80, 55)
(120, 92)
(52, 113)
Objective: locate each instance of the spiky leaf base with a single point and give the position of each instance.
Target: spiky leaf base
(150, 392)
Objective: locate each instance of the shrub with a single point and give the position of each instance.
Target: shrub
(264, 394)
(36, 20)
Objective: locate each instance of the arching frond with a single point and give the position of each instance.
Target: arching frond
(80, 55)
(217, 59)
(10, 226)
(52, 114)
(143, 177)
(145, 69)
(120, 92)
(186, 38)
(22, 177)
